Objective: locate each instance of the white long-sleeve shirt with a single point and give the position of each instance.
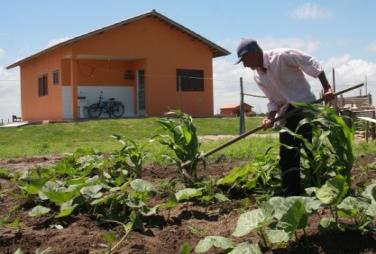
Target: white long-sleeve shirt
(284, 81)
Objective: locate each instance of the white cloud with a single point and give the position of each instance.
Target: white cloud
(2, 52)
(9, 94)
(310, 11)
(352, 71)
(349, 71)
(306, 45)
(57, 41)
(227, 85)
(372, 47)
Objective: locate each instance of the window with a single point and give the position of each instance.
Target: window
(42, 85)
(55, 77)
(189, 80)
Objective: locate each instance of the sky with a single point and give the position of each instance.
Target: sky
(337, 33)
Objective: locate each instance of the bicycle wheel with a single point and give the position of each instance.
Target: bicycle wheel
(94, 111)
(117, 109)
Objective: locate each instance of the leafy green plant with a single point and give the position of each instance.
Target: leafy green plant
(330, 152)
(219, 242)
(261, 175)
(104, 186)
(130, 157)
(6, 173)
(205, 193)
(277, 220)
(181, 137)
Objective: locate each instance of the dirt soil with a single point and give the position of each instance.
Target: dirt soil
(165, 233)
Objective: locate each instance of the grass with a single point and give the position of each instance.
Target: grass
(59, 138)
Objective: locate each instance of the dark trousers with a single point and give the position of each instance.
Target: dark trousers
(290, 158)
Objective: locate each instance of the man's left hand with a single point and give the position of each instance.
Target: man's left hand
(328, 95)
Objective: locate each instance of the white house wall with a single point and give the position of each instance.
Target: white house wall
(120, 93)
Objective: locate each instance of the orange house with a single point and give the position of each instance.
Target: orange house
(150, 63)
(233, 109)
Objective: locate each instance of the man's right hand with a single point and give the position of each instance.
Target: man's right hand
(267, 123)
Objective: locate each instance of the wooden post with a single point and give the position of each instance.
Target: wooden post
(335, 102)
(373, 127)
(242, 123)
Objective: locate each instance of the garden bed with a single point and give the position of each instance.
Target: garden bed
(166, 231)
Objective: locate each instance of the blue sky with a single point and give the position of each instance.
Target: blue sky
(338, 33)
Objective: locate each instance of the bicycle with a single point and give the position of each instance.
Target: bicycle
(111, 107)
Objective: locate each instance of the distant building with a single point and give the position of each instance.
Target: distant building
(233, 109)
(149, 62)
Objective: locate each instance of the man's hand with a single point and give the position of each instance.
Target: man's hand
(267, 123)
(328, 95)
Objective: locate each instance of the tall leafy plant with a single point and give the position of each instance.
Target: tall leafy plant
(181, 137)
(330, 153)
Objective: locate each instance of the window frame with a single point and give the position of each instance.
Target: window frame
(195, 84)
(43, 85)
(55, 77)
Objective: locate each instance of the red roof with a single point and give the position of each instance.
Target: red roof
(235, 105)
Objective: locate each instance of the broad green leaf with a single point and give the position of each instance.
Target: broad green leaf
(237, 173)
(60, 197)
(208, 242)
(187, 194)
(104, 199)
(250, 221)
(310, 204)
(246, 248)
(311, 190)
(327, 224)
(150, 211)
(19, 251)
(352, 206)
(171, 203)
(295, 218)
(91, 191)
(66, 209)
(280, 206)
(45, 251)
(38, 211)
(57, 193)
(370, 192)
(221, 198)
(185, 248)
(140, 185)
(371, 211)
(277, 235)
(33, 186)
(333, 191)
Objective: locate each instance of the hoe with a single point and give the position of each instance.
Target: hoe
(235, 139)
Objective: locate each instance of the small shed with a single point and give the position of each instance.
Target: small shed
(233, 109)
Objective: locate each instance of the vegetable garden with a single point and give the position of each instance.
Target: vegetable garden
(93, 202)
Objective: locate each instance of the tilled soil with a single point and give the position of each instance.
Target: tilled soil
(166, 231)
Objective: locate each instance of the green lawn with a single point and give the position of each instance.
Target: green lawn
(61, 138)
(67, 137)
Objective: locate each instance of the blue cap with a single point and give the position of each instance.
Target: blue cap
(245, 46)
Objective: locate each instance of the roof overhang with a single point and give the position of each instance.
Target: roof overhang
(216, 49)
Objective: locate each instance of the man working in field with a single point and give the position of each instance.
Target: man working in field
(280, 75)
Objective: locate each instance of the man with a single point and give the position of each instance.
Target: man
(280, 75)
